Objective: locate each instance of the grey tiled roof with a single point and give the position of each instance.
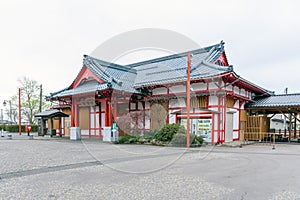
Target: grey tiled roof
(173, 69)
(121, 77)
(164, 70)
(284, 100)
(81, 89)
(51, 113)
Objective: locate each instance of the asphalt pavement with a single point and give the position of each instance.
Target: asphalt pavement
(57, 168)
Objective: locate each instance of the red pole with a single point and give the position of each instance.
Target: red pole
(20, 127)
(188, 100)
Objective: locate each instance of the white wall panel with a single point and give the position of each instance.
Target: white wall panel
(140, 106)
(172, 117)
(212, 85)
(243, 92)
(198, 86)
(147, 105)
(213, 100)
(177, 89)
(174, 103)
(147, 120)
(236, 90)
(236, 120)
(161, 90)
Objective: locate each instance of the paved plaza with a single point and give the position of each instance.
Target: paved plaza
(57, 168)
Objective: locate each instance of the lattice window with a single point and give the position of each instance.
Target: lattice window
(198, 102)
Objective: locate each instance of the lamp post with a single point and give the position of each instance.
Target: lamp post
(1, 116)
(4, 104)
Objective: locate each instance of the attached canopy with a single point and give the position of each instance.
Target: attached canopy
(51, 114)
(285, 104)
(275, 104)
(197, 110)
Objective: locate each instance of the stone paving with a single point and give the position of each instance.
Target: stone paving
(57, 168)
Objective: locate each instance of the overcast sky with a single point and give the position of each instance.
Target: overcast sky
(46, 40)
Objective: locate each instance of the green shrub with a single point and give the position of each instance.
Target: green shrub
(145, 139)
(134, 139)
(180, 139)
(198, 140)
(14, 128)
(148, 138)
(168, 131)
(151, 133)
(128, 139)
(3, 126)
(124, 139)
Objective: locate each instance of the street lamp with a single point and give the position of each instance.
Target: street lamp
(1, 116)
(4, 104)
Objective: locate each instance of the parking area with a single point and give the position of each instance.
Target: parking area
(55, 168)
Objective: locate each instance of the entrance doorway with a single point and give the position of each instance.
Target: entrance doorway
(200, 127)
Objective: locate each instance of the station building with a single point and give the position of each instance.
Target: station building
(144, 96)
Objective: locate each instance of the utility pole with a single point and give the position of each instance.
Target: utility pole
(41, 97)
(188, 100)
(20, 126)
(40, 110)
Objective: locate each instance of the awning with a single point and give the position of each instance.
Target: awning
(51, 114)
(284, 103)
(197, 110)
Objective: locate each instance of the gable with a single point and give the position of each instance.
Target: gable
(222, 60)
(85, 74)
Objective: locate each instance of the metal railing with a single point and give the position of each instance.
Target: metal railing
(264, 138)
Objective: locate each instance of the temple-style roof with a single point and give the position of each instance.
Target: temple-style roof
(168, 69)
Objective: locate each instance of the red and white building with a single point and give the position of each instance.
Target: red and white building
(146, 95)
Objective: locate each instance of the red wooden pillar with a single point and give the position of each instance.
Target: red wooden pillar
(115, 110)
(188, 101)
(76, 115)
(144, 116)
(73, 113)
(295, 125)
(108, 113)
(168, 102)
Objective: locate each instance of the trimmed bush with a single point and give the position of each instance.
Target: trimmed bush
(124, 139)
(180, 139)
(128, 139)
(198, 140)
(2, 126)
(14, 128)
(151, 133)
(168, 131)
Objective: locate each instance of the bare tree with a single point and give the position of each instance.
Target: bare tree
(30, 101)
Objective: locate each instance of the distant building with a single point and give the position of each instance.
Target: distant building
(279, 122)
(7, 122)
